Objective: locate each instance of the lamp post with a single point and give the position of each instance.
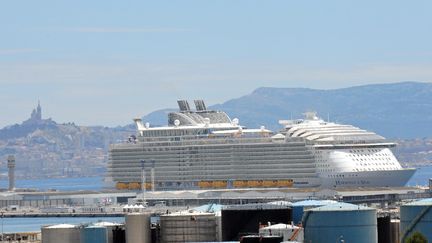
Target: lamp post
(153, 175)
(143, 180)
(2, 235)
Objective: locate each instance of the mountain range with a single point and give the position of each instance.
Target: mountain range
(44, 148)
(396, 110)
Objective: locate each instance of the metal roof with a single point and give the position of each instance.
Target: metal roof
(340, 206)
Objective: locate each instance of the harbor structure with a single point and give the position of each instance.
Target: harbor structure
(206, 149)
(188, 227)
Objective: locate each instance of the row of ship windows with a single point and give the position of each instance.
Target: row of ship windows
(375, 169)
(341, 176)
(369, 155)
(376, 159)
(368, 150)
(371, 164)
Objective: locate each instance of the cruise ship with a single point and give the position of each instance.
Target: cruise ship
(205, 149)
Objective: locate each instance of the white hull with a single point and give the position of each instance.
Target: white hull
(389, 178)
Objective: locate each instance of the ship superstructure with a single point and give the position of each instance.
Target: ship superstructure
(348, 156)
(206, 149)
(203, 149)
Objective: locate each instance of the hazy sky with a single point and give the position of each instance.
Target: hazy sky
(105, 62)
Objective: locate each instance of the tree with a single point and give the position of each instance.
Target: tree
(416, 237)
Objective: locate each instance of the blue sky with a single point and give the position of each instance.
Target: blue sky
(105, 62)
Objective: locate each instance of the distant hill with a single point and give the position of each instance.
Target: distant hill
(44, 148)
(397, 110)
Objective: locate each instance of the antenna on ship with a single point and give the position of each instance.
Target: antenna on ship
(328, 117)
(143, 181)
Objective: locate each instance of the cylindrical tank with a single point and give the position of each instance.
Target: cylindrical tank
(384, 229)
(300, 206)
(109, 228)
(416, 217)
(94, 234)
(138, 228)
(119, 235)
(340, 222)
(188, 227)
(395, 230)
(65, 233)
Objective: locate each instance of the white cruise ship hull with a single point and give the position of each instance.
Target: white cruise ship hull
(388, 178)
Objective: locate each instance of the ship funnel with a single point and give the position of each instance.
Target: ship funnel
(183, 105)
(200, 105)
(139, 124)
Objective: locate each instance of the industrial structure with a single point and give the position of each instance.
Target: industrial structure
(11, 172)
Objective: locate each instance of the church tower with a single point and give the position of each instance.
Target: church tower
(36, 114)
(39, 112)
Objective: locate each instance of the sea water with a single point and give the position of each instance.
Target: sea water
(13, 225)
(421, 176)
(62, 184)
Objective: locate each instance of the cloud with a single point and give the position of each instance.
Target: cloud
(17, 51)
(128, 30)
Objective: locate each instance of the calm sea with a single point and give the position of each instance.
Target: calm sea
(62, 184)
(13, 225)
(421, 177)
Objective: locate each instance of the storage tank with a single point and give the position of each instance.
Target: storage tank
(416, 216)
(188, 227)
(340, 222)
(138, 228)
(110, 227)
(395, 230)
(119, 235)
(94, 234)
(65, 233)
(384, 229)
(300, 206)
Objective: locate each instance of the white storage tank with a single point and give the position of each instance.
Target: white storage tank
(64, 233)
(340, 222)
(138, 228)
(416, 217)
(188, 227)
